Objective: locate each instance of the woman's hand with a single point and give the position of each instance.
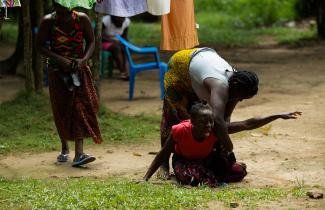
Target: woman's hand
(65, 64)
(81, 63)
(78, 64)
(290, 115)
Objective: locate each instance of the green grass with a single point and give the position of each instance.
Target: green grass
(27, 125)
(144, 34)
(113, 193)
(290, 35)
(222, 29)
(9, 33)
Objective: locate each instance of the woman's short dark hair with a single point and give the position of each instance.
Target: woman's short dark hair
(197, 107)
(246, 81)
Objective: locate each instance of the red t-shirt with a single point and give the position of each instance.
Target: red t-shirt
(186, 146)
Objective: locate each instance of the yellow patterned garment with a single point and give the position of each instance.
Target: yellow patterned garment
(178, 72)
(179, 94)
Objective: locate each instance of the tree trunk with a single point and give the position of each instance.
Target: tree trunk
(9, 65)
(37, 13)
(29, 84)
(96, 58)
(320, 17)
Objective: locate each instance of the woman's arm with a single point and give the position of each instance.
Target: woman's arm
(161, 157)
(88, 35)
(218, 101)
(229, 109)
(257, 122)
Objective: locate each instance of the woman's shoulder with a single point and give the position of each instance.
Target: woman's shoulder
(82, 16)
(49, 17)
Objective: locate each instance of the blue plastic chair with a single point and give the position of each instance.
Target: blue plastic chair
(135, 68)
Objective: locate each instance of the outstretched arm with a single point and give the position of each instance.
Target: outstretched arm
(257, 122)
(161, 157)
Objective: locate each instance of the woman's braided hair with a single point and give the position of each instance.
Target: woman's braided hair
(246, 81)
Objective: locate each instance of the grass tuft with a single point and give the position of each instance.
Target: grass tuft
(114, 193)
(27, 125)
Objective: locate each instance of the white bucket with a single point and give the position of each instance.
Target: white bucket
(158, 7)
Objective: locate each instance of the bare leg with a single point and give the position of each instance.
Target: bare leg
(79, 148)
(63, 156)
(80, 157)
(119, 58)
(64, 146)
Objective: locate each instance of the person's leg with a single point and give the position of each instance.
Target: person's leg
(80, 157)
(237, 172)
(194, 173)
(64, 146)
(78, 148)
(119, 58)
(63, 156)
(226, 169)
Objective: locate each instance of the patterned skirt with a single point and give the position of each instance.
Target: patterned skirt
(211, 171)
(74, 112)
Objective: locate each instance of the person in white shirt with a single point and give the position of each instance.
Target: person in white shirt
(113, 25)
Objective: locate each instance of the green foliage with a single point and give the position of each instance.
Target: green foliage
(289, 35)
(251, 13)
(144, 34)
(116, 193)
(222, 22)
(27, 125)
(9, 32)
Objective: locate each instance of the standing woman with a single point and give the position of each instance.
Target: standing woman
(67, 39)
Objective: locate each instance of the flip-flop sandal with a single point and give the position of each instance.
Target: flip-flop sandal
(62, 158)
(124, 76)
(83, 159)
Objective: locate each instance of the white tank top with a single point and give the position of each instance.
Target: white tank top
(206, 63)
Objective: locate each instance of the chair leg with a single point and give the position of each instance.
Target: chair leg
(102, 65)
(110, 66)
(131, 85)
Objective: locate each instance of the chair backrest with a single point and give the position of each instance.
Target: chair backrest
(127, 45)
(130, 47)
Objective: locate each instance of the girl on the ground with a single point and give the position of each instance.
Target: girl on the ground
(197, 158)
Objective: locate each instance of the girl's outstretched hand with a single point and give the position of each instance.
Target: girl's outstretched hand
(290, 115)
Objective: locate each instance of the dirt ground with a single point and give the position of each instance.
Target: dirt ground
(289, 153)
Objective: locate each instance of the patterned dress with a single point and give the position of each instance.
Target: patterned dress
(74, 110)
(179, 94)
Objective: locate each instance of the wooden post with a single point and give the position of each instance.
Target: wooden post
(320, 17)
(38, 59)
(97, 53)
(29, 83)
